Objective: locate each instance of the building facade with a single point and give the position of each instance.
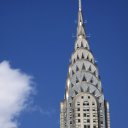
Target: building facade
(84, 105)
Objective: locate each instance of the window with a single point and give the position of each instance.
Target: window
(84, 79)
(87, 109)
(73, 72)
(90, 69)
(87, 58)
(82, 97)
(78, 104)
(78, 109)
(87, 115)
(83, 67)
(82, 44)
(84, 114)
(88, 120)
(91, 81)
(94, 73)
(78, 57)
(78, 120)
(93, 103)
(94, 121)
(85, 104)
(77, 69)
(82, 56)
(78, 114)
(72, 85)
(86, 126)
(77, 80)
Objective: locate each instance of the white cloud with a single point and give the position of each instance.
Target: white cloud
(15, 89)
(44, 112)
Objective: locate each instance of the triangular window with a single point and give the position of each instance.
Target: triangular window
(84, 79)
(73, 72)
(72, 85)
(82, 89)
(97, 85)
(77, 46)
(82, 56)
(77, 80)
(77, 69)
(90, 68)
(82, 45)
(78, 57)
(83, 67)
(88, 89)
(76, 92)
(87, 57)
(91, 81)
(94, 93)
(94, 73)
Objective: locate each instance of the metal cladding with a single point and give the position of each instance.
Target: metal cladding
(84, 105)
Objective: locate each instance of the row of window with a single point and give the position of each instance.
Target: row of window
(85, 121)
(78, 109)
(88, 120)
(86, 126)
(82, 57)
(83, 68)
(85, 80)
(85, 104)
(82, 97)
(81, 45)
(85, 115)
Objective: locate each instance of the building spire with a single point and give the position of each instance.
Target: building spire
(80, 5)
(80, 28)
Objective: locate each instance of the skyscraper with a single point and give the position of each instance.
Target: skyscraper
(84, 105)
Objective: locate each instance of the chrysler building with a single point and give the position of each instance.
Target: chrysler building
(84, 105)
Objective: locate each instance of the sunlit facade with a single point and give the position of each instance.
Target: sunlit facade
(84, 105)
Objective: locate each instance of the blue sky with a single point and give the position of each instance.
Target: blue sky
(36, 36)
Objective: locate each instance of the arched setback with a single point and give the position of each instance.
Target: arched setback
(85, 113)
(83, 105)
